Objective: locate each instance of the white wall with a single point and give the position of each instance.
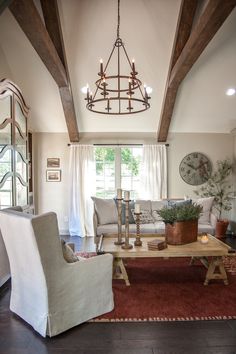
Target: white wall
(51, 196)
(54, 196)
(215, 146)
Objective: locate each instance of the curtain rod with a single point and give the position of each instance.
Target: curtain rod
(119, 144)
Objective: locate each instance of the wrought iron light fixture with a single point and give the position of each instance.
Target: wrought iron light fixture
(117, 93)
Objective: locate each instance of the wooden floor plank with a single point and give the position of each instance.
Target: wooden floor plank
(185, 337)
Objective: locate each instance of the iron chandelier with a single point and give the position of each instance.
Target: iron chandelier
(118, 93)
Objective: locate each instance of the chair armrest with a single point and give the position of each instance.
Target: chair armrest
(96, 269)
(213, 219)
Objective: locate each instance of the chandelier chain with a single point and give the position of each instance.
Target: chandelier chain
(118, 21)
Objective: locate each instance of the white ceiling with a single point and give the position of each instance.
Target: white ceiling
(147, 29)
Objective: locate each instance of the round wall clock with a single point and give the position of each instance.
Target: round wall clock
(195, 168)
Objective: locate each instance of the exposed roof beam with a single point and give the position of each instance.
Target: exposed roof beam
(53, 25)
(69, 111)
(4, 4)
(212, 18)
(214, 15)
(30, 21)
(50, 50)
(183, 30)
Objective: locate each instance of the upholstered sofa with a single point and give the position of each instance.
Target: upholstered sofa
(105, 216)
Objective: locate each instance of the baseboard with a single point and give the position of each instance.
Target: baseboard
(4, 279)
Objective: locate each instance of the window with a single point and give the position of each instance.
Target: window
(117, 167)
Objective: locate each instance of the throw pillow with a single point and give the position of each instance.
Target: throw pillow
(145, 217)
(106, 210)
(156, 216)
(144, 204)
(173, 203)
(68, 254)
(131, 206)
(206, 204)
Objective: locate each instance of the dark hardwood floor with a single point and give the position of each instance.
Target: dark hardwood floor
(190, 337)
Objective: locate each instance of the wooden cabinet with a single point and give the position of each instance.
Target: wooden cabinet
(14, 158)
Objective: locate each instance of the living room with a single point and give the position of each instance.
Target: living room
(200, 115)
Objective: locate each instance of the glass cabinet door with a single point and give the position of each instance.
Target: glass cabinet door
(13, 147)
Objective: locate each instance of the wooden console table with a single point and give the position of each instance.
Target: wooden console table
(209, 254)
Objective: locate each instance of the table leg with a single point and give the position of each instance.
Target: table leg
(119, 271)
(216, 262)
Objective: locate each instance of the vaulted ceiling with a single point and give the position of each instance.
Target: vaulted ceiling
(148, 30)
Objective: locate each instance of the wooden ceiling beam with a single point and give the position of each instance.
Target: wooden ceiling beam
(183, 30)
(4, 4)
(50, 48)
(212, 18)
(209, 22)
(27, 16)
(53, 26)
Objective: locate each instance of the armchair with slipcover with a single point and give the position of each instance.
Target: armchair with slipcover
(47, 292)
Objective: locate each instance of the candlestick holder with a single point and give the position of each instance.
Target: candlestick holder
(119, 224)
(138, 241)
(127, 245)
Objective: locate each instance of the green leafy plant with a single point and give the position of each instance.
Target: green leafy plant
(219, 186)
(182, 212)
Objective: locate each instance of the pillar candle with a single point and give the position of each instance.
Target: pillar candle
(126, 195)
(119, 193)
(137, 209)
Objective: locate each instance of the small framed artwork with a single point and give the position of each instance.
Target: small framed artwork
(53, 162)
(53, 175)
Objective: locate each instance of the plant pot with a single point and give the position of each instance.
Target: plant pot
(181, 232)
(221, 228)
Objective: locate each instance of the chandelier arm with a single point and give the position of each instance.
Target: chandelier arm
(114, 46)
(126, 54)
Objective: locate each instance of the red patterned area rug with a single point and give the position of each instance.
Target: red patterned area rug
(170, 290)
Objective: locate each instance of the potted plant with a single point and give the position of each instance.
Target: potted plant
(219, 186)
(181, 223)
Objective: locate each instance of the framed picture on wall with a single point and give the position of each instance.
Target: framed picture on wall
(53, 162)
(53, 175)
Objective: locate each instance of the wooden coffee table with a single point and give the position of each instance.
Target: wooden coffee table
(209, 254)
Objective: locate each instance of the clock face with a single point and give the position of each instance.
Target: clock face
(195, 168)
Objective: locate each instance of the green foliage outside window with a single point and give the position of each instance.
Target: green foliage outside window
(108, 155)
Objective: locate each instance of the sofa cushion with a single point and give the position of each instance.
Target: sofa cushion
(206, 204)
(144, 204)
(156, 216)
(131, 206)
(106, 210)
(145, 217)
(158, 204)
(68, 253)
(173, 203)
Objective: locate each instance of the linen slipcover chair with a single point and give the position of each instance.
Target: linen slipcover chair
(47, 292)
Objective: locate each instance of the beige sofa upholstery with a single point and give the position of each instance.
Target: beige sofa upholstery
(47, 292)
(158, 227)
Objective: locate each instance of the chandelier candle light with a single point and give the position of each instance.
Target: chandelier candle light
(121, 94)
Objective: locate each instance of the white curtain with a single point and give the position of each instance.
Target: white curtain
(82, 187)
(154, 172)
